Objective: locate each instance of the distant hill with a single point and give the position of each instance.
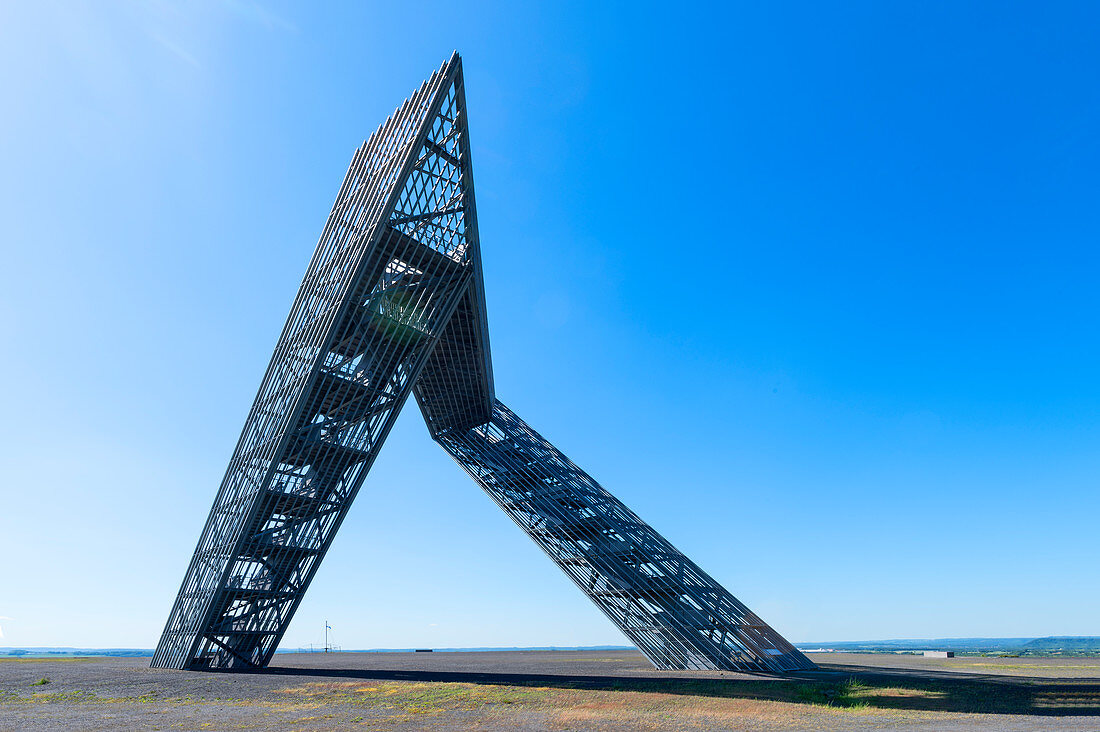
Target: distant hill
(1053, 644)
(980, 645)
(1078, 643)
(38, 651)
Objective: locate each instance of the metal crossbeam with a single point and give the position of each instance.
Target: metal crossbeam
(393, 304)
(428, 216)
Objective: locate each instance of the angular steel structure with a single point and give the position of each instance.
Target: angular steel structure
(393, 304)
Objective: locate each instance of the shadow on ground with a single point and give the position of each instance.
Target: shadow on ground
(847, 686)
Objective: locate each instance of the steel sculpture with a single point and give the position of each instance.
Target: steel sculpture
(392, 304)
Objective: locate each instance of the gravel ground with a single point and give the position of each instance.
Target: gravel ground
(536, 690)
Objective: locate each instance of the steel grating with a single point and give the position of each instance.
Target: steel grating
(669, 608)
(392, 303)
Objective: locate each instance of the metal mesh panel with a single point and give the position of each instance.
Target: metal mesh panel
(674, 612)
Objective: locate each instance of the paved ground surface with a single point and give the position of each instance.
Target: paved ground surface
(565, 690)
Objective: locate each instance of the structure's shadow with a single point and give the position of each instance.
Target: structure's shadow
(835, 685)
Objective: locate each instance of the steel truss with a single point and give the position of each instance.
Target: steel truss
(393, 303)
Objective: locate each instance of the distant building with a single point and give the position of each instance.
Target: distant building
(939, 654)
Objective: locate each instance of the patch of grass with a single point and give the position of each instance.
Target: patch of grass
(75, 696)
(417, 697)
(847, 695)
(41, 682)
(582, 706)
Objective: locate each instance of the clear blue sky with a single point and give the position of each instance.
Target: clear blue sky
(812, 289)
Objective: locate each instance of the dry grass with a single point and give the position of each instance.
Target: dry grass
(417, 697)
(567, 708)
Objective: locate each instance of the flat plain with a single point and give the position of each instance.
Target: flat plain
(555, 690)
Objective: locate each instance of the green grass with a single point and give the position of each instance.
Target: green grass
(848, 695)
(41, 682)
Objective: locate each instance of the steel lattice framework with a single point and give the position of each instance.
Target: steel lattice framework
(392, 304)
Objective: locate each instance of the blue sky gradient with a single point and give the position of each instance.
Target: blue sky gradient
(812, 289)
